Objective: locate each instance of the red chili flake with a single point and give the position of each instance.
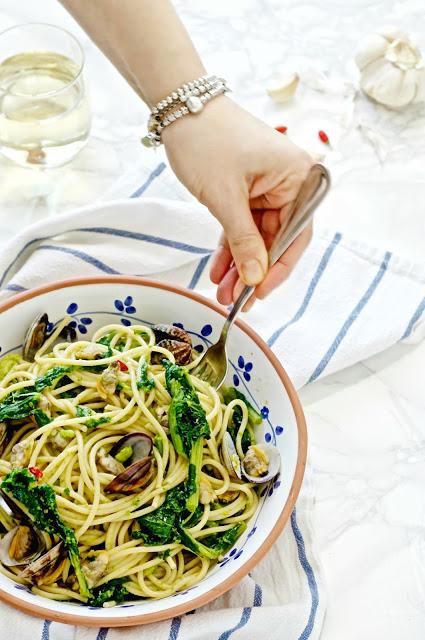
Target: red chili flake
(36, 472)
(123, 366)
(281, 129)
(324, 137)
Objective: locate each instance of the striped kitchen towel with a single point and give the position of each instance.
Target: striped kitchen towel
(345, 302)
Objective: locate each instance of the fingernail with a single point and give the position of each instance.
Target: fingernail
(252, 271)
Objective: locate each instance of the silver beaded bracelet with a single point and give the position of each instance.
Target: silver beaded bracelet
(189, 98)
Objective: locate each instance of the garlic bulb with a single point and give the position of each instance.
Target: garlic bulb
(283, 89)
(391, 67)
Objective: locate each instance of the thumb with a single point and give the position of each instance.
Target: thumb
(245, 241)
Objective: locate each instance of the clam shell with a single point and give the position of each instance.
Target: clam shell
(35, 337)
(136, 476)
(230, 457)
(170, 332)
(43, 563)
(273, 455)
(26, 540)
(182, 351)
(140, 443)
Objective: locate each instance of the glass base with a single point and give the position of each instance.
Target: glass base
(48, 157)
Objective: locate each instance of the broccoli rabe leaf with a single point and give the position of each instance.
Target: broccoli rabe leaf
(71, 393)
(19, 405)
(46, 380)
(169, 523)
(24, 402)
(40, 502)
(114, 590)
(188, 426)
(144, 382)
(94, 421)
(159, 444)
(41, 418)
(159, 526)
(215, 545)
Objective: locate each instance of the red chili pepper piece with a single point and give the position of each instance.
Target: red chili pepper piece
(324, 137)
(36, 472)
(281, 129)
(123, 366)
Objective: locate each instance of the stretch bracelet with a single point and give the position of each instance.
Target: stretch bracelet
(187, 99)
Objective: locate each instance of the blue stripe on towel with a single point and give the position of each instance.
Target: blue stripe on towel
(155, 173)
(103, 632)
(198, 272)
(351, 318)
(413, 320)
(133, 235)
(246, 614)
(312, 584)
(79, 254)
(311, 288)
(258, 596)
(175, 628)
(45, 633)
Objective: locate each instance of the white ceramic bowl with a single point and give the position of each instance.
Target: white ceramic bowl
(93, 302)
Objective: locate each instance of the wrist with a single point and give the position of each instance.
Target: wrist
(188, 99)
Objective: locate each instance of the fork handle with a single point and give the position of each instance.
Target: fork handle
(312, 191)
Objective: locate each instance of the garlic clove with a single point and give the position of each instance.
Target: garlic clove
(420, 86)
(284, 88)
(370, 49)
(390, 33)
(409, 87)
(386, 87)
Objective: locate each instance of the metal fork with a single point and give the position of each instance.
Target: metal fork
(212, 367)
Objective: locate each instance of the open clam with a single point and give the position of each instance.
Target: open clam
(174, 339)
(37, 335)
(133, 451)
(260, 464)
(21, 545)
(230, 457)
(43, 564)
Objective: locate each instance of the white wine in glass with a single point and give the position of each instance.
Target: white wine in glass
(44, 111)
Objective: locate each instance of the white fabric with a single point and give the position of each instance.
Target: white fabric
(343, 303)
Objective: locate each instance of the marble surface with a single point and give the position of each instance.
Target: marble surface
(367, 434)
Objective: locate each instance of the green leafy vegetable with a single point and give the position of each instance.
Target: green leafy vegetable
(95, 421)
(167, 524)
(40, 502)
(254, 418)
(216, 545)
(19, 405)
(7, 363)
(188, 426)
(124, 454)
(158, 443)
(46, 380)
(144, 382)
(41, 418)
(25, 402)
(114, 590)
(159, 526)
(71, 393)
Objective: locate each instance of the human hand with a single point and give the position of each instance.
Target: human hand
(247, 174)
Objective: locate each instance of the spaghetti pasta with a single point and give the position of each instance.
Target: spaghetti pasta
(106, 432)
